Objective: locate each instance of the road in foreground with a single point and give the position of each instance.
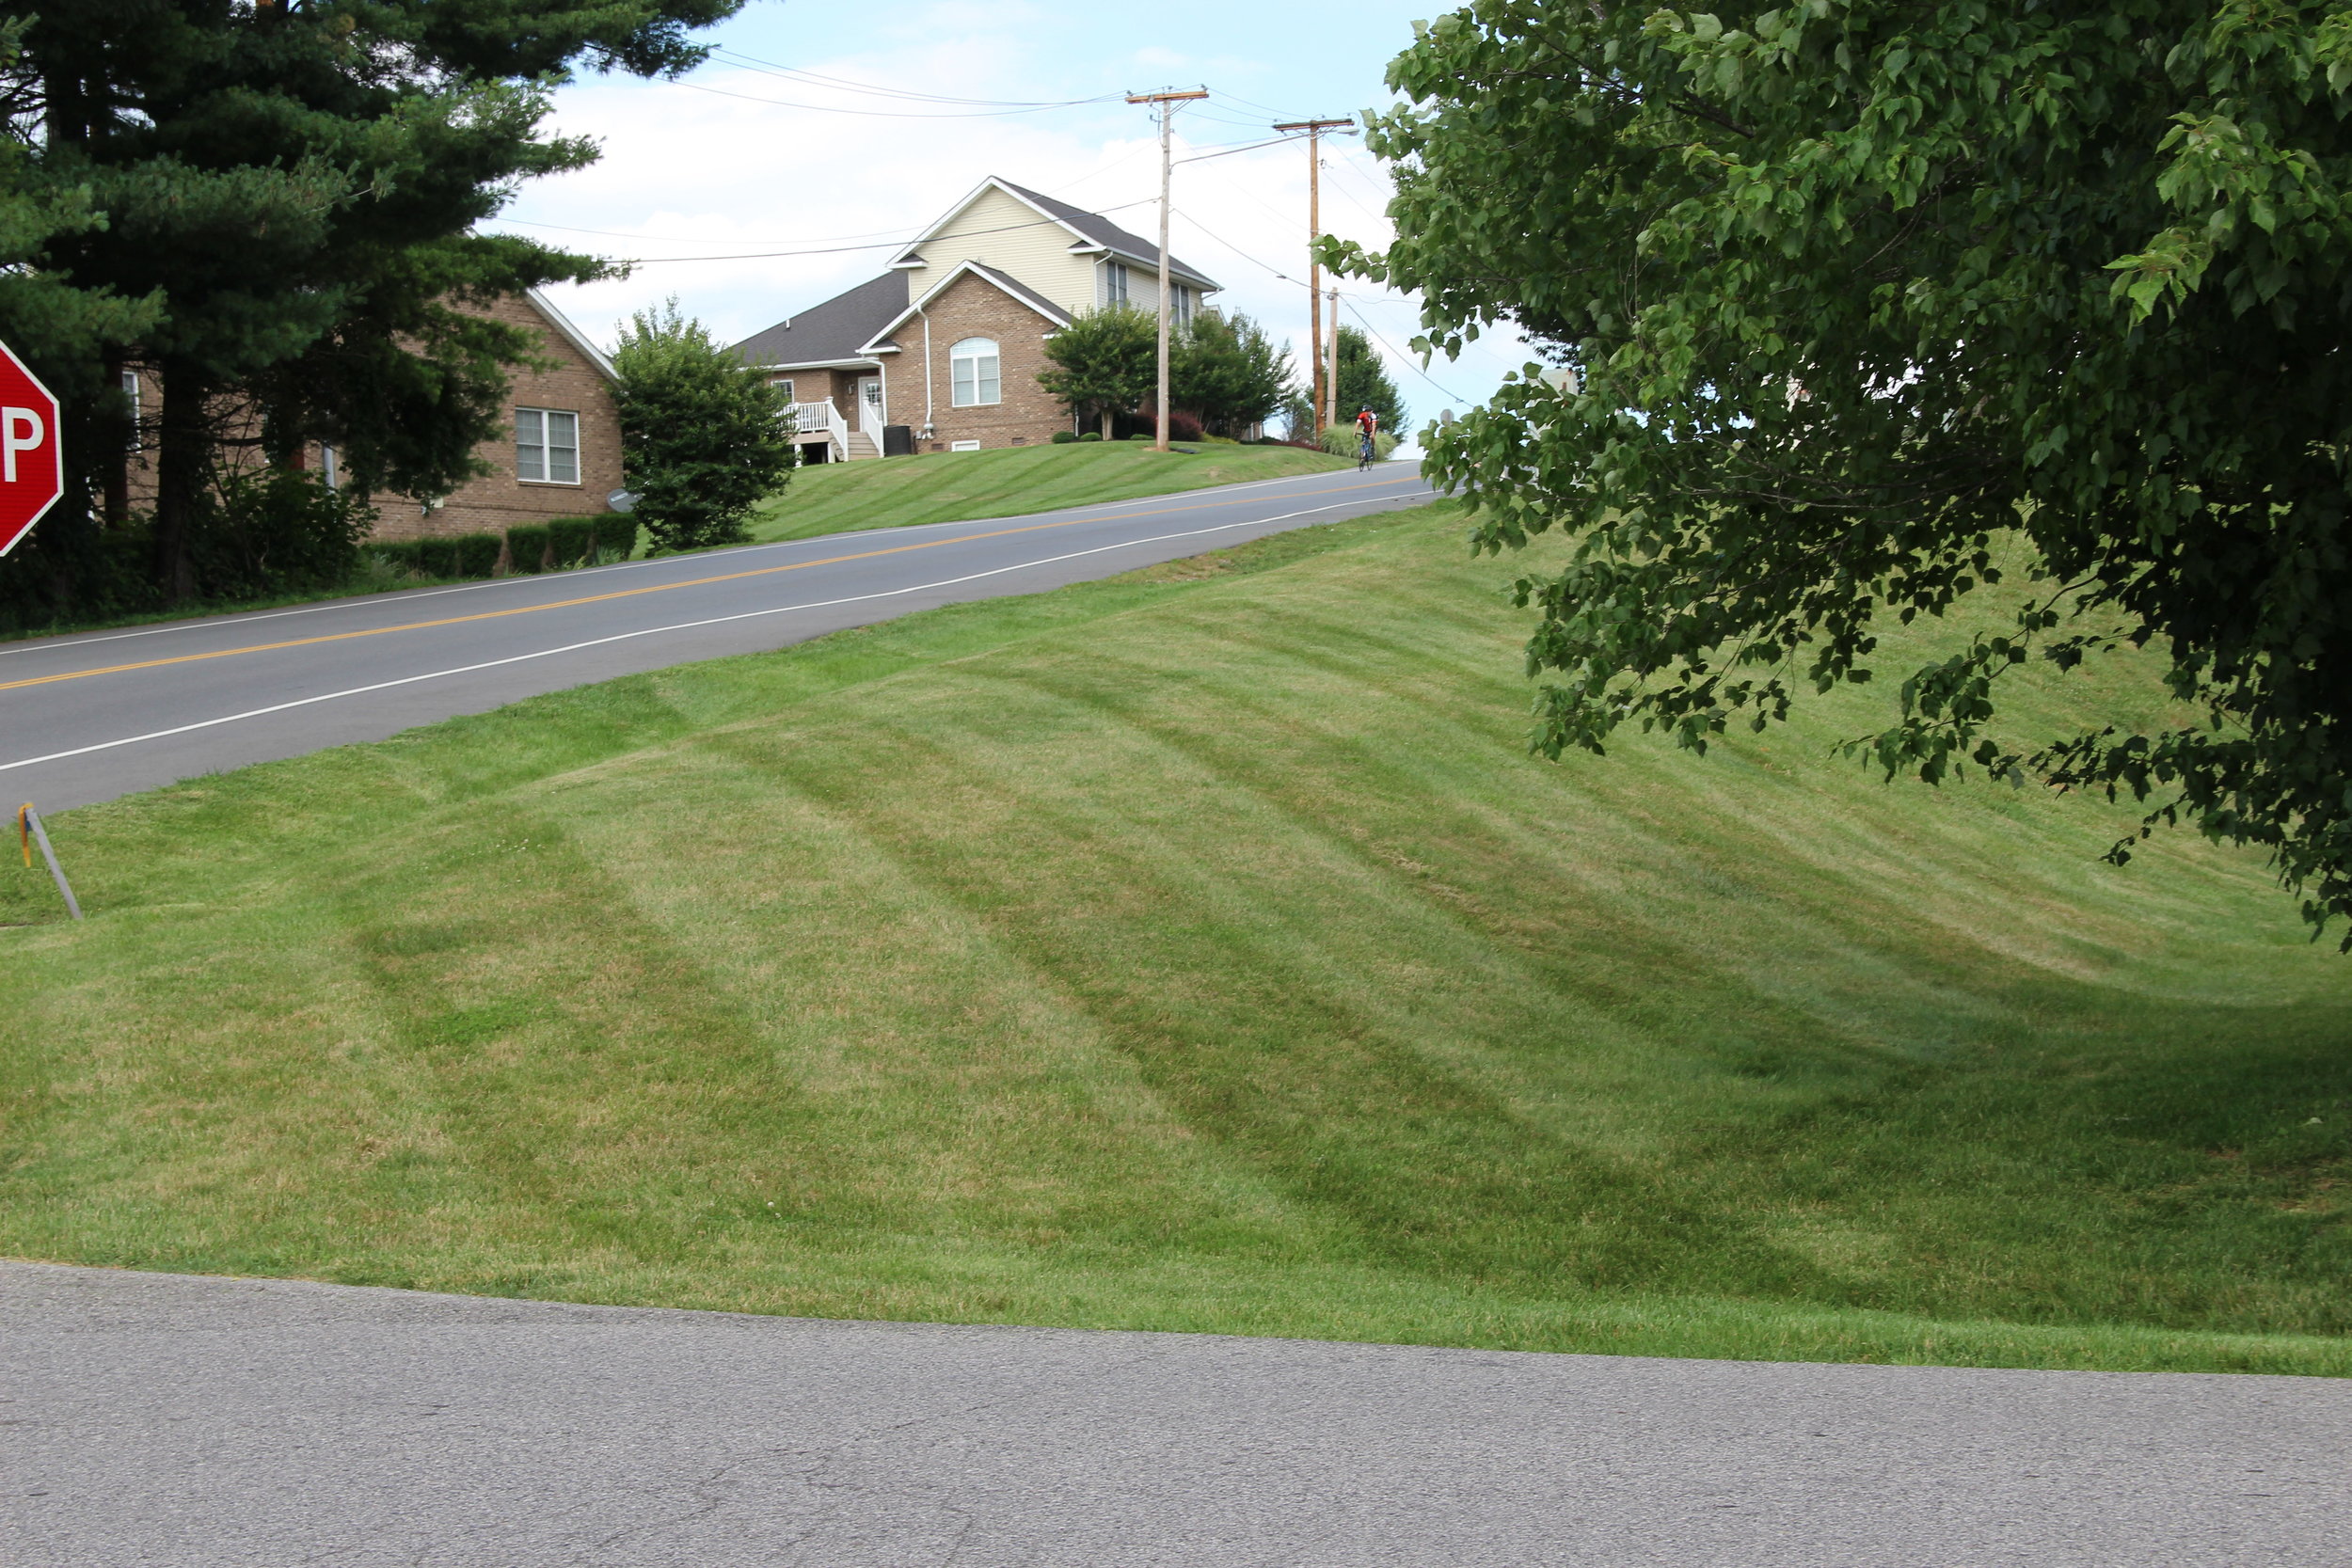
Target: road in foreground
(158, 1418)
(90, 716)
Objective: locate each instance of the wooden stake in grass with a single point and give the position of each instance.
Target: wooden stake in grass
(28, 833)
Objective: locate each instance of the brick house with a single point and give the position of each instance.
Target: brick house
(950, 342)
(559, 455)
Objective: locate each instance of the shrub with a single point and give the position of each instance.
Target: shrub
(616, 536)
(1181, 426)
(571, 541)
(1090, 435)
(63, 573)
(527, 548)
(466, 555)
(701, 441)
(1064, 438)
(478, 554)
(398, 555)
(278, 530)
(1227, 372)
(1103, 361)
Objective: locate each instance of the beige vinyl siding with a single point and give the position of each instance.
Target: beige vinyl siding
(1143, 285)
(1024, 243)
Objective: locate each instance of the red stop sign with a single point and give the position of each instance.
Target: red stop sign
(32, 459)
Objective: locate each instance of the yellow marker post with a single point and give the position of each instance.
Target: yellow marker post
(29, 832)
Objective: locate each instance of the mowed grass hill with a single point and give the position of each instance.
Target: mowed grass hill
(1197, 950)
(1009, 481)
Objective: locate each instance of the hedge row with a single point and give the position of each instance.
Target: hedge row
(558, 543)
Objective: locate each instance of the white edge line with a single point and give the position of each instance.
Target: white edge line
(213, 623)
(656, 631)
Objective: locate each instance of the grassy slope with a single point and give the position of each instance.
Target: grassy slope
(1197, 950)
(944, 487)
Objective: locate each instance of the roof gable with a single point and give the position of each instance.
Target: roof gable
(570, 333)
(981, 270)
(1088, 231)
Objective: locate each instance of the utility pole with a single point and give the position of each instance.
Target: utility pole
(1314, 129)
(1168, 102)
(1331, 364)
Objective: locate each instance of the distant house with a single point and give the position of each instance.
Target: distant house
(947, 344)
(558, 457)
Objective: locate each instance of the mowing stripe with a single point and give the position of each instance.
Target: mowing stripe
(587, 599)
(651, 631)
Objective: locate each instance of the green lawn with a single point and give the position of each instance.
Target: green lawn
(945, 487)
(1196, 950)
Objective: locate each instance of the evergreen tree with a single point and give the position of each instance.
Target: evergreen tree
(64, 332)
(1106, 362)
(1364, 383)
(1228, 373)
(702, 437)
(293, 182)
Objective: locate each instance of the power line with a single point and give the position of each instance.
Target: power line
(886, 114)
(1237, 147)
(845, 249)
(1346, 300)
(672, 239)
(1392, 353)
(843, 83)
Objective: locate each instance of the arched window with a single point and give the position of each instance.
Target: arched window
(971, 369)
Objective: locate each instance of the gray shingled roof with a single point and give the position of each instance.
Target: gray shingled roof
(836, 330)
(1101, 230)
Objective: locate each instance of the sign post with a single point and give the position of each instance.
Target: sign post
(29, 829)
(32, 457)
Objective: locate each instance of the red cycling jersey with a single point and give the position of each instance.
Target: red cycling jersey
(1368, 422)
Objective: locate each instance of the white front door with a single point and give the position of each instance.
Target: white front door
(869, 406)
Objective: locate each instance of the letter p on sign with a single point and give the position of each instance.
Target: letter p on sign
(32, 459)
(21, 430)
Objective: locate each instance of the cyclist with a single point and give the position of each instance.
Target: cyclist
(1367, 427)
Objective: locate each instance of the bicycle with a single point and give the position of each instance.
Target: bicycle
(1364, 456)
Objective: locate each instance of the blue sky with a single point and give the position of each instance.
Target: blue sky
(708, 179)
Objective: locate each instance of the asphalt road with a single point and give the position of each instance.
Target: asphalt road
(90, 716)
(192, 1422)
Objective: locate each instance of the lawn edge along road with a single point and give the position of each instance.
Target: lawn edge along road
(177, 876)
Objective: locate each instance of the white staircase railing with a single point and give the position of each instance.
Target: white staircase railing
(808, 419)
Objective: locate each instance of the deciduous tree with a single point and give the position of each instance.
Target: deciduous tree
(1871, 306)
(1363, 383)
(1228, 371)
(1106, 360)
(702, 440)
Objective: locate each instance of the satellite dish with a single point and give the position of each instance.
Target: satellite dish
(622, 500)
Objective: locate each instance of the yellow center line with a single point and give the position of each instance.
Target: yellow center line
(618, 594)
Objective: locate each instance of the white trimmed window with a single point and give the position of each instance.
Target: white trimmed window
(546, 446)
(1113, 282)
(131, 390)
(1180, 307)
(973, 378)
(781, 384)
(331, 466)
(963, 446)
